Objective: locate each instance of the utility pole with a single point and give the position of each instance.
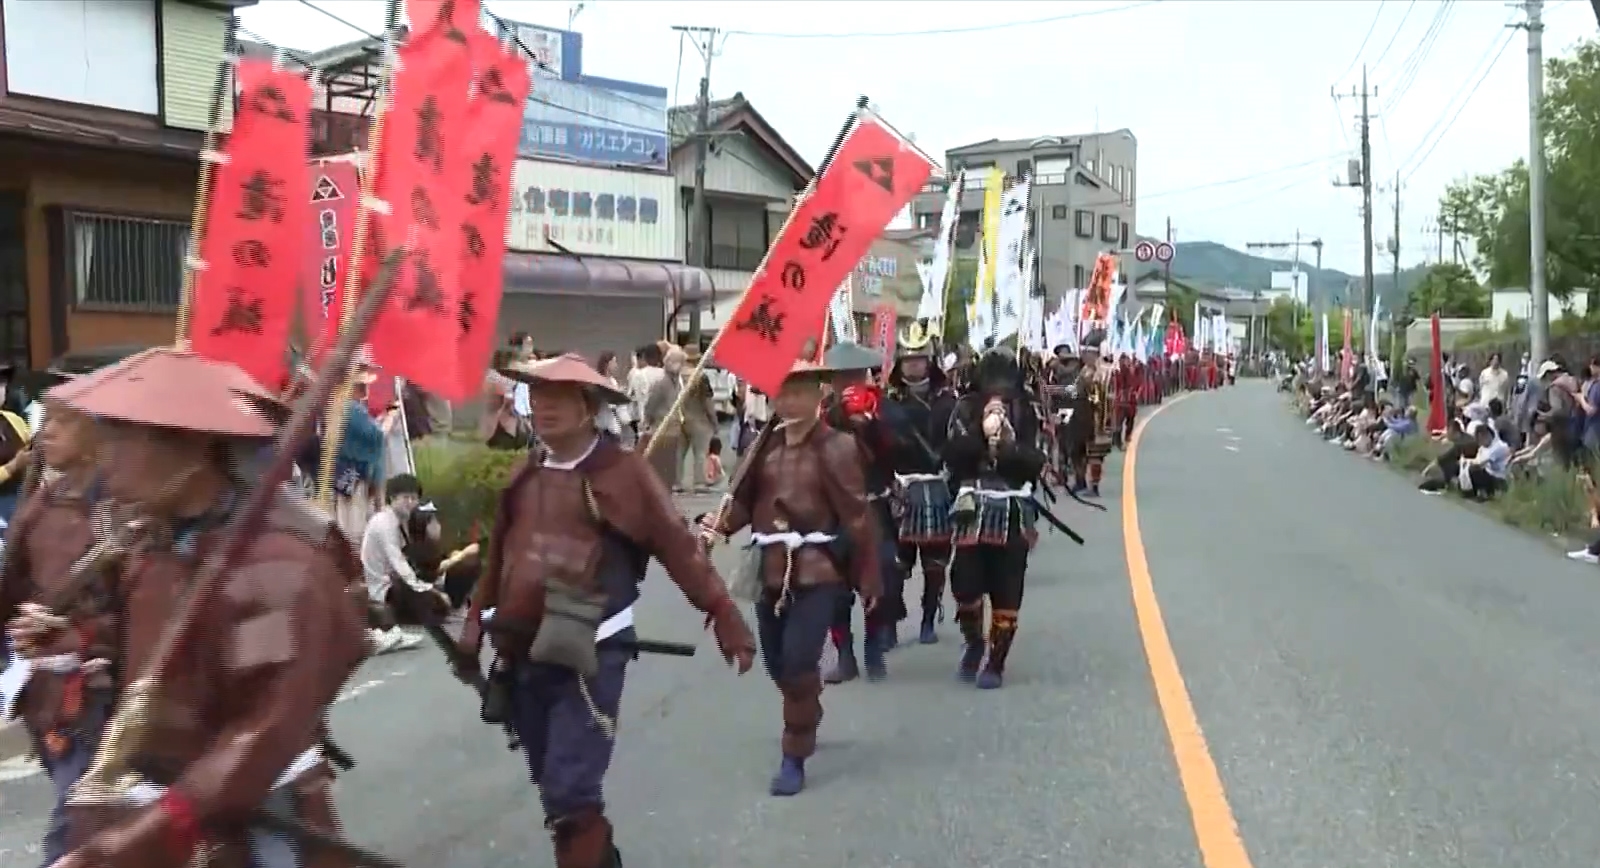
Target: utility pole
(699, 234)
(1366, 199)
(1539, 315)
(1394, 286)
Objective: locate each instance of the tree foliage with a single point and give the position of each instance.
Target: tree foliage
(1289, 327)
(1491, 211)
(1449, 290)
(963, 283)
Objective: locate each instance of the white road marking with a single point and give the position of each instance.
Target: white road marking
(1234, 438)
(1231, 448)
(1224, 430)
(359, 689)
(18, 767)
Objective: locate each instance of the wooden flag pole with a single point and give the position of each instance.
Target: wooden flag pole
(202, 195)
(676, 410)
(339, 406)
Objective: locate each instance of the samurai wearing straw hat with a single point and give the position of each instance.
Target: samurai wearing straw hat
(856, 405)
(925, 399)
(815, 539)
(62, 637)
(231, 725)
(576, 527)
(994, 461)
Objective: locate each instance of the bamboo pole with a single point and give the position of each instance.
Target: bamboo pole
(675, 412)
(339, 407)
(202, 196)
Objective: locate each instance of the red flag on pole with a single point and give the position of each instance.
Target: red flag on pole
(335, 189)
(1347, 365)
(422, 183)
(884, 317)
(1436, 413)
(872, 176)
(494, 124)
(254, 241)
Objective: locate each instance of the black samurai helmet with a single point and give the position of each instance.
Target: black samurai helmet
(997, 373)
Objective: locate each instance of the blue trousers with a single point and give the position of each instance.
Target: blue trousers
(568, 754)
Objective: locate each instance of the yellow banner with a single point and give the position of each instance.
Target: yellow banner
(993, 182)
(980, 310)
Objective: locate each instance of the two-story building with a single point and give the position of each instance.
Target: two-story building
(594, 257)
(1084, 199)
(752, 178)
(102, 111)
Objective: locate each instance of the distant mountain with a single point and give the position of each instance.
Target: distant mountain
(1210, 265)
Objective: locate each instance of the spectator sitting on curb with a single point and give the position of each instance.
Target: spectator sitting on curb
(1445, 470)
(1400, 424)
(1484, 474)
(395, 593)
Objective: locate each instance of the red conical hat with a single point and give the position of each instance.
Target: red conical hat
(168, 388)
(570, 368)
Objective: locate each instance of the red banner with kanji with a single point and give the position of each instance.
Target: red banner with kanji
(494, 125)
(422, 183)
(253, 242)
(884, 317)
(872, 176)
(335, 190)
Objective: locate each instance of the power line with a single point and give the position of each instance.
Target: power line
(944, 31)
(1397, 31)
(1414, 63)
(1415, 161)
(1372, 28)
(538, 65)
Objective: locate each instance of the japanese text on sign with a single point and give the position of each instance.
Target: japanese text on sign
(249, 252)
(872, 176)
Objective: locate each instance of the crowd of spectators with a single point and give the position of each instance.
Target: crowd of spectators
(1502, 428)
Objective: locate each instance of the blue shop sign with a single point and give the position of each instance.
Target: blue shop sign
(592, 144)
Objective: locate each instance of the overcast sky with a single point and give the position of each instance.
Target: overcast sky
(1239, 138)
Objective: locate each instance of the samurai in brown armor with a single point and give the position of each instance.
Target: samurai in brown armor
(1060, 399)
(576, 529)
(1095, 406)
(805, 503)
(64, 635)
(233, 725)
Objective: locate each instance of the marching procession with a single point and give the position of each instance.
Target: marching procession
(179, 619)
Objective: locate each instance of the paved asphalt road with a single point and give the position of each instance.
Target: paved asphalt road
(1383, 680)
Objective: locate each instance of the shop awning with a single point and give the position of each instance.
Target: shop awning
(560, 274)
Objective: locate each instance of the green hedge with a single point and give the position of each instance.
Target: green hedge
(464, 481)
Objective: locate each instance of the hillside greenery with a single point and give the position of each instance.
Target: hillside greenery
(1209, 265)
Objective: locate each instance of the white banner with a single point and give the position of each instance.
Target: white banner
(1012, 279)
(841, 312)
(938, 273)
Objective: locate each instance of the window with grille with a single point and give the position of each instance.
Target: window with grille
(125, 262)
(1110, 227)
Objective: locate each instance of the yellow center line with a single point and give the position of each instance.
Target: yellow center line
(1215, 830)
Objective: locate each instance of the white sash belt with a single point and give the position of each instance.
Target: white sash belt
(608, 628)
(791, 539)
(21, 669)
(910, 478)
(1022, 493)
(148, 794)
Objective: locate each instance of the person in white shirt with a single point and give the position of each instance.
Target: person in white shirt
(1494, 382)
(1484, 474)
(383, 561)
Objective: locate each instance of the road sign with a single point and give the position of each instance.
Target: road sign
(1144, 251)
(1164, 252)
